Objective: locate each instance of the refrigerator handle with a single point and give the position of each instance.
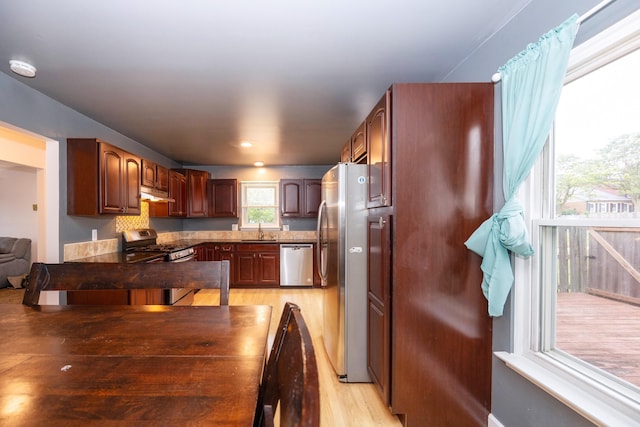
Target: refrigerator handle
(319, 251)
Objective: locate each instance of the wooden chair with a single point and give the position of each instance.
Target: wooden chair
(291, 376)
(93, 276)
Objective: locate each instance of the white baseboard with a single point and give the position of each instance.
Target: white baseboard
(493, 422)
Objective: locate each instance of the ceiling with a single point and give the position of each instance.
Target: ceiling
(191, 79)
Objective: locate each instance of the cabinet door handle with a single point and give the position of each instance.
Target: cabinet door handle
(381, 222)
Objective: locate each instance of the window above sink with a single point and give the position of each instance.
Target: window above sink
(259, 205)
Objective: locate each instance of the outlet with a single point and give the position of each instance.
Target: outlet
(94, 234)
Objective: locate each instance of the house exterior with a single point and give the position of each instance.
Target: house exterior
(598, 201)
(516, 401)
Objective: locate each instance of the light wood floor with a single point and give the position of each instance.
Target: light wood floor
(342, 404)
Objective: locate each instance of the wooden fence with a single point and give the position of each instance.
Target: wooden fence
(601, 261)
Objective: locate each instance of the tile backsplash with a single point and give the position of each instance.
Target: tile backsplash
(86, 249)
(134, 222)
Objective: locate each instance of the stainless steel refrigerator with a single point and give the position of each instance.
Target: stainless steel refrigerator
(342, 264)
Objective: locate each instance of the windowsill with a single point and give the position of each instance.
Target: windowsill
(587, 397)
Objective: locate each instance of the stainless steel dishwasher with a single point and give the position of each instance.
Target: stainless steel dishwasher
(296, 264)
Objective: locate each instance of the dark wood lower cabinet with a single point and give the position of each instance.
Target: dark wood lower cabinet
(116, 297)
(245, 269)
(257, 264)
(200, 253)
(269, 268)
(379, 303)
(146, 296)
(251, 265)
(98, 297)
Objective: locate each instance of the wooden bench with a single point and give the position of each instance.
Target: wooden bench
(94, 276)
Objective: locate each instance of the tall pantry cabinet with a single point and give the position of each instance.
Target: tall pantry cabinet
(431, 184)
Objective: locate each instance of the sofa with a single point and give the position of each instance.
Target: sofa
(15, 258)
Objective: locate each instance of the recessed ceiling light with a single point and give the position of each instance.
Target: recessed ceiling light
(22, 68)
(258, 164)
(246, 144)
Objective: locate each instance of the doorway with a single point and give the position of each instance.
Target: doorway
(36, 158)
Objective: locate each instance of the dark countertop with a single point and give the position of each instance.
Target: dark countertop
(195, 242)
(121, 257)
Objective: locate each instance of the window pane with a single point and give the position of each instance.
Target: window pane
(261, 215)
(257, 196)
(597, 176)
(597, 142)
(598, 299)
(259, 204)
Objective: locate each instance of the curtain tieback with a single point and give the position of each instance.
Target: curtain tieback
(504, 231)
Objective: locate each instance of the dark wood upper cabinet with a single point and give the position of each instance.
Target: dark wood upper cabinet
(312, 196)
(131, 185)
(379, 153)
(197, 205)
(154, 176)
(177, 192)
(355, 149)
(345, 154)
(299, 197)
(290, 197)
(196, 194)
(359, 145)
(101, 179)
(222, 195)
(162, 178)
(148, 174)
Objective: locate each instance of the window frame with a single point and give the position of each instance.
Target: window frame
(595, 394)
(244, 223)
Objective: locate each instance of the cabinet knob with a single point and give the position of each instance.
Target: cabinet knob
(382, 222)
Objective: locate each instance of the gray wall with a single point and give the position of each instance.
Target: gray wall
(28, 109)
(516, 402)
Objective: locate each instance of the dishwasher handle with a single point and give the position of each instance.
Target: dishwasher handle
(296, 247)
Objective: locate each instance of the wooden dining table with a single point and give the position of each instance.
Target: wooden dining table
(131, 365)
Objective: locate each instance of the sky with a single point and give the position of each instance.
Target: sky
(598, 107)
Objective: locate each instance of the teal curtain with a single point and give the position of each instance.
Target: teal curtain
(531, 86)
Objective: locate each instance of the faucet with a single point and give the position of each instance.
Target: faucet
(260, 232)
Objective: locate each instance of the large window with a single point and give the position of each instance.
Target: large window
(577, 300)
(259, 204)
(594, 231)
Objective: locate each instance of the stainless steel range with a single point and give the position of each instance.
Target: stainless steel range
(141, 246)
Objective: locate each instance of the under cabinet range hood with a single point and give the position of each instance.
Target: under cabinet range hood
(154, 195)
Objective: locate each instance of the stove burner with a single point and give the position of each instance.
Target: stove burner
(144, 240)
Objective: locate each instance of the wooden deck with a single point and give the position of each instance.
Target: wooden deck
(604, 332)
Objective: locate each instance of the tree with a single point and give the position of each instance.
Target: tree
(261, 215)
(574, 174)
(620, 165)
